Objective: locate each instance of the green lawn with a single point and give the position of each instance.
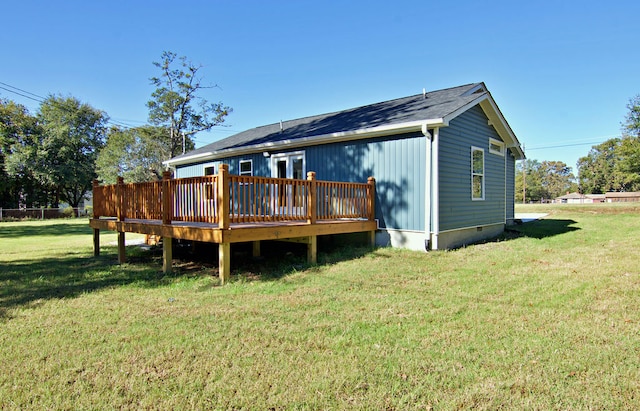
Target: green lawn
(546, 318)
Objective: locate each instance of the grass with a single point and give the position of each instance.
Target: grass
(545, 318)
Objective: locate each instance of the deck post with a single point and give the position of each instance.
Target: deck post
(256, 248)
(167, 214)
(96, 242)
(372, 208)
(312, 214)
(223, 196)
(97, 199)
(312, 249)
(167, 254)
(96, 214)
(122, 255)
(121, 215)
(224, 262)
(166, 198)
(224, 249)
(120, 199)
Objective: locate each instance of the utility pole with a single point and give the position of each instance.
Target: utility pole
(524, 179)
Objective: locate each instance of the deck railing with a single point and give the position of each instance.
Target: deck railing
(223, 199)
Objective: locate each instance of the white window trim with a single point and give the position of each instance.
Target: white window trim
(209, 165)
(474, 149)
(275, 157)
(499, 143)
(240, 172)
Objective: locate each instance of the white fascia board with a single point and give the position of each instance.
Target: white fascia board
(464, 108)
(188, 159)
(498, 121)
(391, 129)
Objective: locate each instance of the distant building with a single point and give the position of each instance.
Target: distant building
(577, 198)
(614, 197)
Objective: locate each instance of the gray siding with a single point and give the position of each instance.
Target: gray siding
(398, 165)
(260, 166)
(457, 210)
(511, 186)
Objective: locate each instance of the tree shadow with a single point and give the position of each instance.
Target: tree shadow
(31, 282)
(38, 229)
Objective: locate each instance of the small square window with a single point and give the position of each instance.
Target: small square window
(209, 170)
(496, 147)
(246, 167)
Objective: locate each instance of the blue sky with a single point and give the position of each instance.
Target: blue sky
(562, 72)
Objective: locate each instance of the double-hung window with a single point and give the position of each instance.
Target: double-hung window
(477, 173)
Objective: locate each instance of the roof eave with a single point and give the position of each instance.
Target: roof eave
(188, 159)
(391, 129)
(497, 120)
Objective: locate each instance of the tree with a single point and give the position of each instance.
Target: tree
(173, 103)
(544, 181)
(135, 154)
(19, 134)
(72, 134)
(557, 179)
(527, 173)
(631, 125)
(615, 164)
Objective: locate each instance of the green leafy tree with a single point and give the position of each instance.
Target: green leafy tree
(135, 154)
(528, 181)
(19, 135)
(628, 165)
(72, 135)
(176, 103)
(597, 171)
(615, 164)
(557, 178)
(631, 125)
(544, 181)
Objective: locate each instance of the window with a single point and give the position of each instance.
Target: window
(477, 173)
(496, 147)
(246, 167)
(209, 170)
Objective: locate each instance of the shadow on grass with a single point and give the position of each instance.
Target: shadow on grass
(30, 282)
(278, 259)
(37, 228)
(544, 228)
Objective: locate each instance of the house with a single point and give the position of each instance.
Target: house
(443, 161)
(577, 198)
(616, 197)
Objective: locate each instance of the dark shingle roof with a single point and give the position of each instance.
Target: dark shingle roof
(433, 105)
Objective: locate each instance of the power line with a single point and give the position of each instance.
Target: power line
(40, 99)
(19, 89)
(564, 145)
(20, 94)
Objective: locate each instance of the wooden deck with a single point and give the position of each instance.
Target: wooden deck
(228, 209)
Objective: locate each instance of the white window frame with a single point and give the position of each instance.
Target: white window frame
(245, 173)
(493, 142)
(214, 166)
(289, 157)
(474, 174)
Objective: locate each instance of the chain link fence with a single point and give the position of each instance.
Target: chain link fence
(43, 213)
